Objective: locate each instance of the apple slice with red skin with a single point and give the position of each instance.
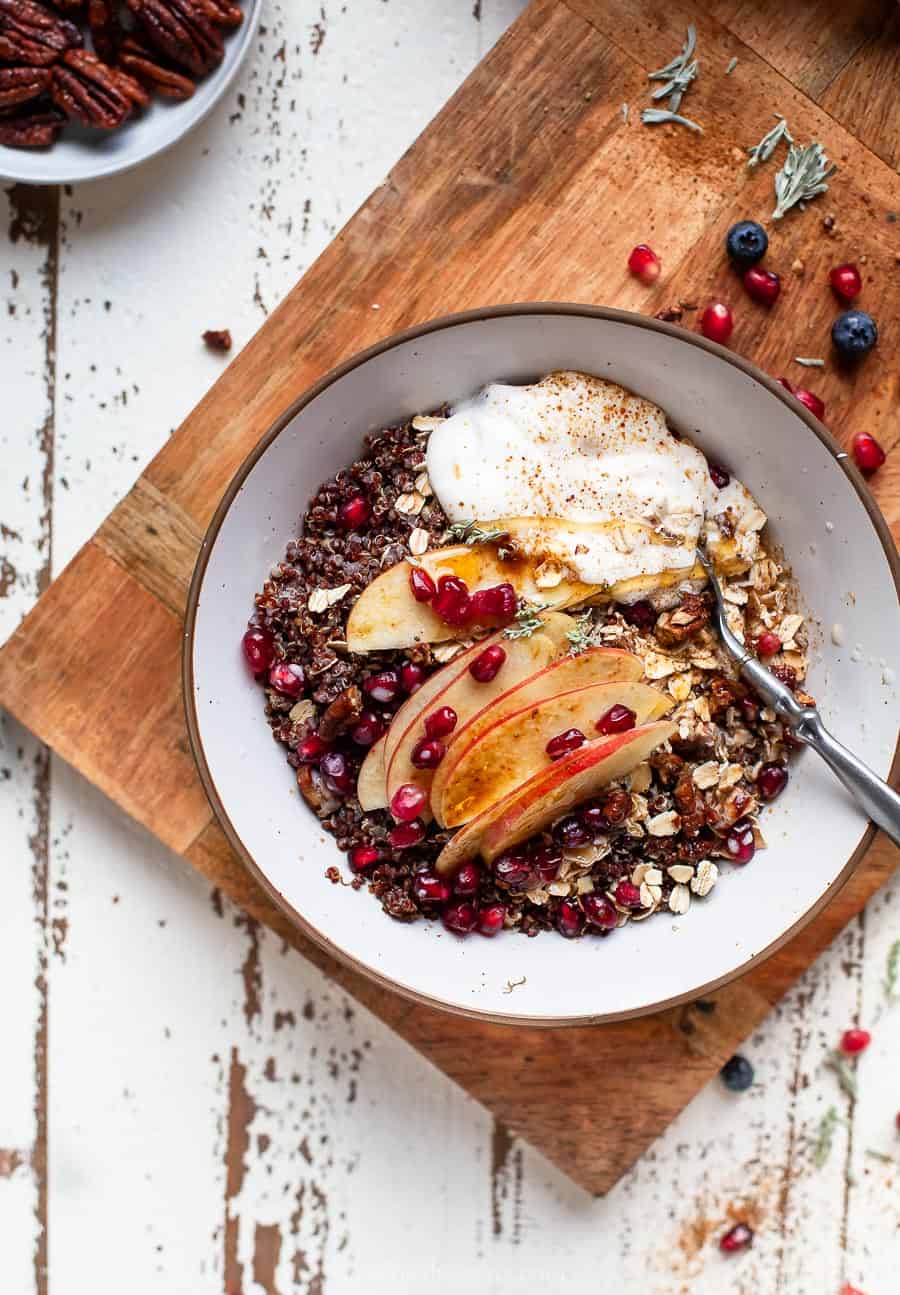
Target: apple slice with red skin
(550, 793)
(370, 784)
(515, 748)
(595, 665)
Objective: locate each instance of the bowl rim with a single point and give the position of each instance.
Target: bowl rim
(609, 314)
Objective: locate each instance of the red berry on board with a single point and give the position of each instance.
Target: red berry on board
(383, 687)
(771, 781)
(644, 264)
(811, 400)
(850, 1290)
(491, 919)
(768, 644)
(259, 649)
(735, 1239)
(618, 719)
(564, 743)
(440, 722)
(428, 753)
(719, 477)
(762, 285)
(867, 452)
(460, 918)
(569, 919)
(855, 1041)
(363, 857)
(288, 679)
(406, 834)
(421, 584)
(429, 888)
(717, 322)
(412, 676)
(452, 602)
(486, 665)
(600, 912)
(467, 880)
(846, 281)
(740, 842)
(408, 801)
(354, 513)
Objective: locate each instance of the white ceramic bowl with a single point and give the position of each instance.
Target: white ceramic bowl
(820, 512)
(81, 154)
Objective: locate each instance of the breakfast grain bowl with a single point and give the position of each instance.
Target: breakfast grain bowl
(418, 671)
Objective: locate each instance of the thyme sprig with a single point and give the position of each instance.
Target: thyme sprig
(582, 636)
(471, 533)
(892, 973)
(837, 1062)
(528, 619)
(825, 1140)
(659, 117)
(804, 176)
(762, 151)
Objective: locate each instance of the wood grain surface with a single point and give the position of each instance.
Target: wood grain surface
(530, 184)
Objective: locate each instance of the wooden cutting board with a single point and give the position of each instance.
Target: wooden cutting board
(529, 185)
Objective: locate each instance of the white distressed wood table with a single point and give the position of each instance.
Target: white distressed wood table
(185, 1105)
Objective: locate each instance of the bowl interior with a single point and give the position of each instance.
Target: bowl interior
(816, 515)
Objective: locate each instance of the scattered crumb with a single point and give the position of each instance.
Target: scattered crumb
(218, 339)
(797, 266)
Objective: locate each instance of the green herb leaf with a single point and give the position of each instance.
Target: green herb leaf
(528, 619)
(472, 533)
(892, 973)
(762, 151)
(845, 1076)
(825, 1140)
(804, 176)
(880, 1155)
(732, 64)
(659, 117)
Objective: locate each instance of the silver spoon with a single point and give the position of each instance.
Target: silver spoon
(879, 801)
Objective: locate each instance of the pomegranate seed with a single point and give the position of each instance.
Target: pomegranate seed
(412, 676)
(363, 857)
(311, 748)
(499, 603)
(565, 742)
(546, 861)
(571, 833)
(644, 264)
(441, 722)
(771, 781)
(513, 871)
(421, 584)
(354, 513)
(594, 818)
(288, 679)
(737, 1238)
(811, 400)
(618, 719)
(642, 614)
(367, 729)
(847, 1289)
(739, 842)
(762, 285)
(600, 912)
(429, 888)
(428, 753)
(768, 644)
(846, 281)
(569, 919)
(491, 919)
(720, 478)
(259, 649)
(408, 801)
(628, 894)
(467, 880)
(855, 1041)
(406, 834)
(383, 687)
(867, 452)
(452, 602)
(787, 385)
(335, 773)
(486, 665)
(717, 322)
(460, 918)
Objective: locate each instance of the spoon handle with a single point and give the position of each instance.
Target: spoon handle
(880, 802)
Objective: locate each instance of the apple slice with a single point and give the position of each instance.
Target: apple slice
(596, 665)
(387, 616)
(370, 785)
(550, 793)
(515, 748)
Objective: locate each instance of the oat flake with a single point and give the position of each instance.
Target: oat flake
(680, 899)
(706, 878)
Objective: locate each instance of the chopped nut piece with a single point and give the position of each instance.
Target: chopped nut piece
(423, 485)
(321, 599)
(444, 652)
(706, 775)
(665, 824)
(218, 339)
(689, 618)
(411, 504)
(425, 423)
(548, 575)
(342, 714)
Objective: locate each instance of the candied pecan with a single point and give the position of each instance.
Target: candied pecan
(217, 339)
(615, 807)
(687, 619)
(314, 791)
(106, 30)
(19, 84)
(148, 68)
(31, 35)
(724, 692)
(31, 129)
(181, 31)
(667, 767)
(699, 743)
(342, 714)
(89, 91)
(690, 804)
(222, 12)
(132, 87)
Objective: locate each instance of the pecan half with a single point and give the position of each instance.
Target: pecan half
(106, 30)
(668, 767)
(687, 619)
(31, 129)
(690, 804)
(181, 31)
(32, 35)
(89, 91)
(724, 692)
(146, 65)
(342, 714)
(222, 12)
(19, 84)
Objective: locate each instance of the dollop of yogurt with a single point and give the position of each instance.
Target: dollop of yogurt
(612, 493)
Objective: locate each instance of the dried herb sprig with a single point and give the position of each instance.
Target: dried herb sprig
(880, 1155)
(825, 1140)
(804, 176)
(528, 619)
(659, 117)
(892, 973)
(732, 64)
(762, 151)
(680, 61)
(472, 533)
(808, 362)
(677, 76)
(582, 636)
(837, 1062)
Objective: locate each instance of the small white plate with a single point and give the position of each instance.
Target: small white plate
(81, 154)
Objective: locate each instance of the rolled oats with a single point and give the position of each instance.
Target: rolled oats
(423, 485)
(303, 711)
(411, 504)
(639, 873)
(425, 423)
(650, 895)
(680, 899)
(321, 599)
(706, 775)
(680, 687)
(706, 878)
(444, 652)
(730, 775)
(681, 872)
(665, 824)
(548, 575)
(418, 541)
(653, 877)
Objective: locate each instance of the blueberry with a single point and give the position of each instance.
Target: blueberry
(854, 333)
(746, 243)
(737, 1074)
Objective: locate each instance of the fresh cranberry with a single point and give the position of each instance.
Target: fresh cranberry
(383, 687)
(452, 602)
(642, 614)
(867, 452)
(406, 834)
(762, 285)
(499, 603)
(311, 748)
(422, 586)
(717, 322)
(335, 773)
(739, 842)
(441, 722)
(513, 871)
(363, 857)
(628, 894)
(771, 781)
(460, 918)
(618, 719)
(768, 644)
(811, 401)
(855, 1041)
(467, 879)
(486, 665)
(546, 862)
(644, 264)
(569, 919)
(428, 753)
(288, 679)
(259, 649)
(367, 729)
(737, 1238)
(412, 676)
(600, 912)
(408, 801)
(564, 743)
(428, 888)
(354, 513)
(719, 477)
(491, 919)
(571, 833)
(846, 281)
(594, 819)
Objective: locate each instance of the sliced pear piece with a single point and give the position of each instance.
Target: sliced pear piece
(550, 793)
(513, 750)
(370, 785)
